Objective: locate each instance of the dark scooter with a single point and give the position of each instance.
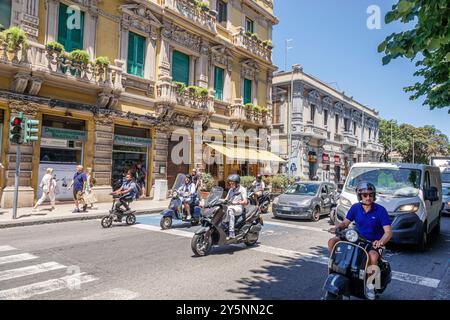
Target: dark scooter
(263, 200)
(214, 232)
(116, 215)
(347, 268)
(176, 210)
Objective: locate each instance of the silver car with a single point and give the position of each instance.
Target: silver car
(305, 200)
(445, 198)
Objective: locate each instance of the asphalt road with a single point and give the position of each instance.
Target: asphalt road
(80, 260)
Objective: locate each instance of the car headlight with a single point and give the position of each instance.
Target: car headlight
(306, 202)
(351, 236)
(275, 201)
(412, 207)
(345, 202)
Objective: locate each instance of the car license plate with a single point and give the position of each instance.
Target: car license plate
(286, 208)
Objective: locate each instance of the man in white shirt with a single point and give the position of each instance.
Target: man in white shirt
(237, 195)
(48, 185)
(188, 192)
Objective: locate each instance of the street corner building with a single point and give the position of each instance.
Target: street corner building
(119, 83)
(328, 131)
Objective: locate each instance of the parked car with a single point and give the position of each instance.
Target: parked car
(305, 200)
(411, 193)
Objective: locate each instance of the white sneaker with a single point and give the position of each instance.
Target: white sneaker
(370, 293)
(231, 235)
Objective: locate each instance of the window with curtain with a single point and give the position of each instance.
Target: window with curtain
(247, 91)
(218, 83)
(222, 11)
(5, 14)
(71, 37)
(180, 67)
(136, 54)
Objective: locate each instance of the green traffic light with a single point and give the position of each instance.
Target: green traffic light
(31, 130)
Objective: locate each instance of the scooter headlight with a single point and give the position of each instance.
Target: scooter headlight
(351, 236)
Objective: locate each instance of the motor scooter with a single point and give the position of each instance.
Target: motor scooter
(116, 215)
(263, 200)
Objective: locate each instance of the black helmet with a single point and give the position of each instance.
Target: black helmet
(188, 176)
(364, 186)
(234, 178)
(258, 177)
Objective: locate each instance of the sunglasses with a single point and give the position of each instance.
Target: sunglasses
(366, 195)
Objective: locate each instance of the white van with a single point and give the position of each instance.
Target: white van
(411, 193)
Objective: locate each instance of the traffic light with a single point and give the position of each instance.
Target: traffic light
(31, 130)
(16, 129)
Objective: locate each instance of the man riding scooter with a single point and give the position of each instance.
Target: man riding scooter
(372, 222)
(188, 190)
(237, 195)
(127, 192)
(258, 187)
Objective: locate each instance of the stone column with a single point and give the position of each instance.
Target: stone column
(124, 28)
(202, 68)
(164, 59)
(52, 9)
(160, 152)
(90, 31)
(26, 190)
(102, 160)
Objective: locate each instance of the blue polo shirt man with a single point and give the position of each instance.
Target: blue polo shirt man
(369, 224)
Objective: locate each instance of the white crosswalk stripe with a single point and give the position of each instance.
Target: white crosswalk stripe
(31, 270)
(17, 258)
(114, 294)
(6, 248)
(52, 285)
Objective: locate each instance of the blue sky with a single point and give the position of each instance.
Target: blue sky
(331, 41)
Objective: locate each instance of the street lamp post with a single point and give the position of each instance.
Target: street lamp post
(413, 150)
(295, 69)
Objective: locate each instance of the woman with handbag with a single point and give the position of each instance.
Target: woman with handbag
(89, 195)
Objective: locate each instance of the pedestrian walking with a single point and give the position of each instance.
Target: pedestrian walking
(48, 186)
(89, 195)
(140, 175)
(78, 184)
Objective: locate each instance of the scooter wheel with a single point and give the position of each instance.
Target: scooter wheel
(330, 296)
(194, 222)
(166, 223)
(107, 222)
(131, 219)
(200, 246)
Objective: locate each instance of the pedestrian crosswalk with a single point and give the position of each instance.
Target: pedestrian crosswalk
(46, 277)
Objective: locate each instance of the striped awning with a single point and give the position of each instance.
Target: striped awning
(246, 153)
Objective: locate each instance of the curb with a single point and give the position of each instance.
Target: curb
(12, 224)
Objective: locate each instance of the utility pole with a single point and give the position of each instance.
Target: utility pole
(362, 138)
(391, 142)
(413, 150)
(287, 48)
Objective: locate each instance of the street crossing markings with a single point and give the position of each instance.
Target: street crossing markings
(400, 276)
(28, 291)
(114, 294)
(17, 258)
(6, 248)
(31, 270)
(289, 225)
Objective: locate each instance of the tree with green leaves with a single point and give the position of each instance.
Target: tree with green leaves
(428, 43)
(384, 137)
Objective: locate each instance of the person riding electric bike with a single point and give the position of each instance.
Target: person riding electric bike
(372, 222)
(189, 193)
(258, 188)
(127, 192)
(237, 195)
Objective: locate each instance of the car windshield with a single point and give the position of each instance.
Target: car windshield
(397, 182)
(446, 191)
(445, 177)
(303, 189)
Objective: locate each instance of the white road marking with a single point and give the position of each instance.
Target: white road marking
(294, 226)
(17, 258)
(39, 288)
(6, 248)
(27, 271)
(114, 294)
(400, 276)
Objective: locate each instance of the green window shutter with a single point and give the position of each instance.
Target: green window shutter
(5, 13)
(136, 54)
(247, 91)
(71, 38)
(218, 83)
(180, 67)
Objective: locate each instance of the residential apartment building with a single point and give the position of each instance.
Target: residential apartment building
(171, 66)
(325, 130)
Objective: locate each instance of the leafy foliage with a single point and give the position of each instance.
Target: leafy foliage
(14, 37)
(102, 61)
(428, 43)
(208, 182)
(55, 45)
(81, 56)
(246, 181)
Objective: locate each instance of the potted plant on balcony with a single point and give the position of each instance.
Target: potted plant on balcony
(101, 63)
(54, 46)
(15, 39)
(180, 87)
(80, 60)
(248, 34)
(207, 183)
(255, 36)
(204, 6)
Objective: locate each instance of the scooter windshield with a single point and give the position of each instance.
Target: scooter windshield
(214, 196)
(179, 181)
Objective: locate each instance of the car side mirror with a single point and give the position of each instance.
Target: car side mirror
(432, 194)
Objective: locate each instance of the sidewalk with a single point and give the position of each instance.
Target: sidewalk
(63, 213)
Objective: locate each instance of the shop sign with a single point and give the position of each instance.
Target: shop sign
(325, 158)
(337, 160)
(59, 143)
(132, 141)
(66, 134)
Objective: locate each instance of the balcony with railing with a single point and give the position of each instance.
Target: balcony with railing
(201, 16)
(349, 139)
(244, 114)
(253, 45)
(314, 131)
(373, 146)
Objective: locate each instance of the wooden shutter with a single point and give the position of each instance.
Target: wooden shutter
(180, 67)
(71, 39)
(218, 83)
(247, 91)
(136, 54)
